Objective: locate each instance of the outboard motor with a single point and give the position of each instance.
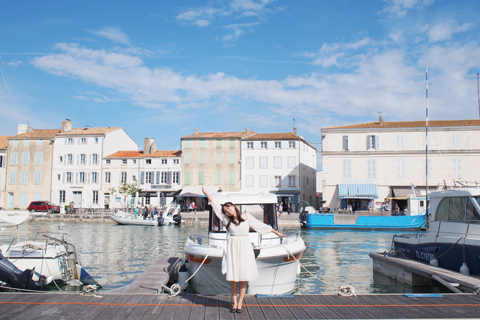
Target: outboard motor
(161, 221)
(177, 218)
(19, 279)
(302, 217)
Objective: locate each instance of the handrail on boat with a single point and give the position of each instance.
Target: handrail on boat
(198, 239)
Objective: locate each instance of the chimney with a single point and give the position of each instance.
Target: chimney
(196, 131)
(380, 120)
(295, 131)
(146, 146)
(246, 130)
(153, 146)
(22, 128)
(66, 125)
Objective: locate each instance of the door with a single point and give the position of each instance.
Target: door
(10, 201)
(77, 199)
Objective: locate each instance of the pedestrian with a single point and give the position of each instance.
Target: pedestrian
(136, 212)
(240, 259)
(280, 209)
(145, 213)
(194, 208)
(289, 208)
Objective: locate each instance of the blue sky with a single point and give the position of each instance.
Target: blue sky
(163, 68)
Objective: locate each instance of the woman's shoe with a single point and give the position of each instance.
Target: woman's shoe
(233, 310)
(239, 311)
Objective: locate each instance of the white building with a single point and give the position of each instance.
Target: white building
(3, 168)
(280, 163)
(156, 173)
(370, 163)
(77, 163)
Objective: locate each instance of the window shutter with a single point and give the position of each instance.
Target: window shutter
(158, 177)
(377, 143)
(169, 177)
(345, 143)
(142, 177)
(272, 181)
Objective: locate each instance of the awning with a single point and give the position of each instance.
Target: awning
(357, 191)
(401, 192)
(196, 191)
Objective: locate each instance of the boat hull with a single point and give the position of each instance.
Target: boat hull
(124, 218)
(346, 221)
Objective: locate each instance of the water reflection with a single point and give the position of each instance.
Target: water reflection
(115, 255)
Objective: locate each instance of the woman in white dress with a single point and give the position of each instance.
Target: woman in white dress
(241, 265)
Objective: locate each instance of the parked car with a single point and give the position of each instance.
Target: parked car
(43, 206)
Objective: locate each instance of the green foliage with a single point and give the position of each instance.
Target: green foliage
(125, 189)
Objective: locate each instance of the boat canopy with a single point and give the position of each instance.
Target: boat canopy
(357, 191)
(196, 191)
(266, 201)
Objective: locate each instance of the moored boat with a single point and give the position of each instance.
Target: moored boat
(10, 218)
(452, 238)
(277, 258)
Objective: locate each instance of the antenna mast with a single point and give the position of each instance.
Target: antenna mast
(478, 95)
(426, 139)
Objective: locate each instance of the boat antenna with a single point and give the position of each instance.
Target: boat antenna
(478, 95)
(3, 71)
(426, 138)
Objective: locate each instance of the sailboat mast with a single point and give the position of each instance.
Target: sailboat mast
(426, 138)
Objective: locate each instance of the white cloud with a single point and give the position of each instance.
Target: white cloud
(446, 30)
(14, 63)
(114, 34)
(399, 8)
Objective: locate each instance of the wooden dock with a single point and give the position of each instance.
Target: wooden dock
(24, 306)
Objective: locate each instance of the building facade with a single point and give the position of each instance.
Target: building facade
(213, 158)
(368, 164)
(280, 163)
(3, 168)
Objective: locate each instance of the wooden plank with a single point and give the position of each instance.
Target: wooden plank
(268, 310)
(158, 304)
(344, 313)
(42, 306)
(383, 312)
(408, 311)
(183, 311)
(357, 312)
(139, 310)
(152, 279)
(211, 304)
(282, 310)
(224, 304)
(170, 308)
(9, 311)
(198, 308)
(112, 310)
(123, 311)
(253, 309)
(326, 311)
(307, 307)
(92, 311)
(458, 311)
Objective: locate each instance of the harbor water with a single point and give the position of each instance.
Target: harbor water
(115, 255)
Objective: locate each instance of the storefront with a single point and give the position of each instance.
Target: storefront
(357, 196)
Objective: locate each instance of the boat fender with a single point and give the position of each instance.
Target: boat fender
(183, 276)
(464, 269)
(434, 262)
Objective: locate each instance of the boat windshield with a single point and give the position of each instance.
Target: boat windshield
(458, 209)
(264, 212)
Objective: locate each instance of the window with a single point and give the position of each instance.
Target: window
(124, 161)
(231, 143)
(231, 177)
(187, 143)
(69, 141)
(26, 158)
(345, 143)
(83, 141)
(218, 143)
(201, 143)
(263, 181)
(292, 162)
(69, 159)
(400, 141)
(14, 159)
(278, 144)
(95, 197)
(218, 158)
(218, 177)
(2, 164)
(176, 177)
(187, 180)
(61, 196)
(250, 162)
(24, 177)
(164, 161)
(96, 140)
(456, 168)
(38, 158)
(249, 182)
(58, 177)
(148, 161)
(188, 158)
(176, 161)
(38, 177)
(263, 162)
(249, 145)
(401, 168)
(23, 199)
(82, 177)
(82, 159)
(292, 181)
(456, 140)
(60, 159)
(148, 177)
(346, 169)
(134, 178)
(36, 196)
(94, 177)
(373, 142)
(107, 177)
(277, 162)
(231, 158)
(39, 142)
(201, 177)
(163, 178)
(13, 177)
(123, 178)
(134, 161)
(278, 181)
(291, 144)
(15, 142)
(95, 159)
(201, 157)
(107, 161)
(371, 169)
(69, 177)
(263, 145)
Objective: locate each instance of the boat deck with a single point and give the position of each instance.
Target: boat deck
(160, 306)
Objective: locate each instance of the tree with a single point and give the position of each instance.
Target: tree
(125, 189)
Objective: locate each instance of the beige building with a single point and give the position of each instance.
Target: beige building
(370, 163)
(213, 158)
(3, 168)
(29, 167)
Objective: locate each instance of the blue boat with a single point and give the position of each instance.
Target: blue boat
(367, 222)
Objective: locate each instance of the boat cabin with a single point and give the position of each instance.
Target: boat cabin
(261, 205)
(456, 205)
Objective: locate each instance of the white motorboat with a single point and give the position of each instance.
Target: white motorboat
(10, 218)
(277, 258)
(53, 257)
(452, 239)
(122, 217)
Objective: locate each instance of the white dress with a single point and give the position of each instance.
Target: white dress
(241, 265)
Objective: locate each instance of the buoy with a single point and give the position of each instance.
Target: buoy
(464, 269)
(183, 276)
(434, 262)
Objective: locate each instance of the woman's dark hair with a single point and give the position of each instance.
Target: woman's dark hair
(230, 219)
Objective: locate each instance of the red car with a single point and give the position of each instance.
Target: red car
(43, 206)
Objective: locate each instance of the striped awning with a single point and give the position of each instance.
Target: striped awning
(357, 191)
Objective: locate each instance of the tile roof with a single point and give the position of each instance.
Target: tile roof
(212, 135)
(139, 154)
(89, 131)
(3, 141)
(410, 124)
(38, 134)
(277, 136)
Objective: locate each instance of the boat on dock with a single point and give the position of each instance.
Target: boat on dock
(52, 257)
(452, 237)
(277, 258)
